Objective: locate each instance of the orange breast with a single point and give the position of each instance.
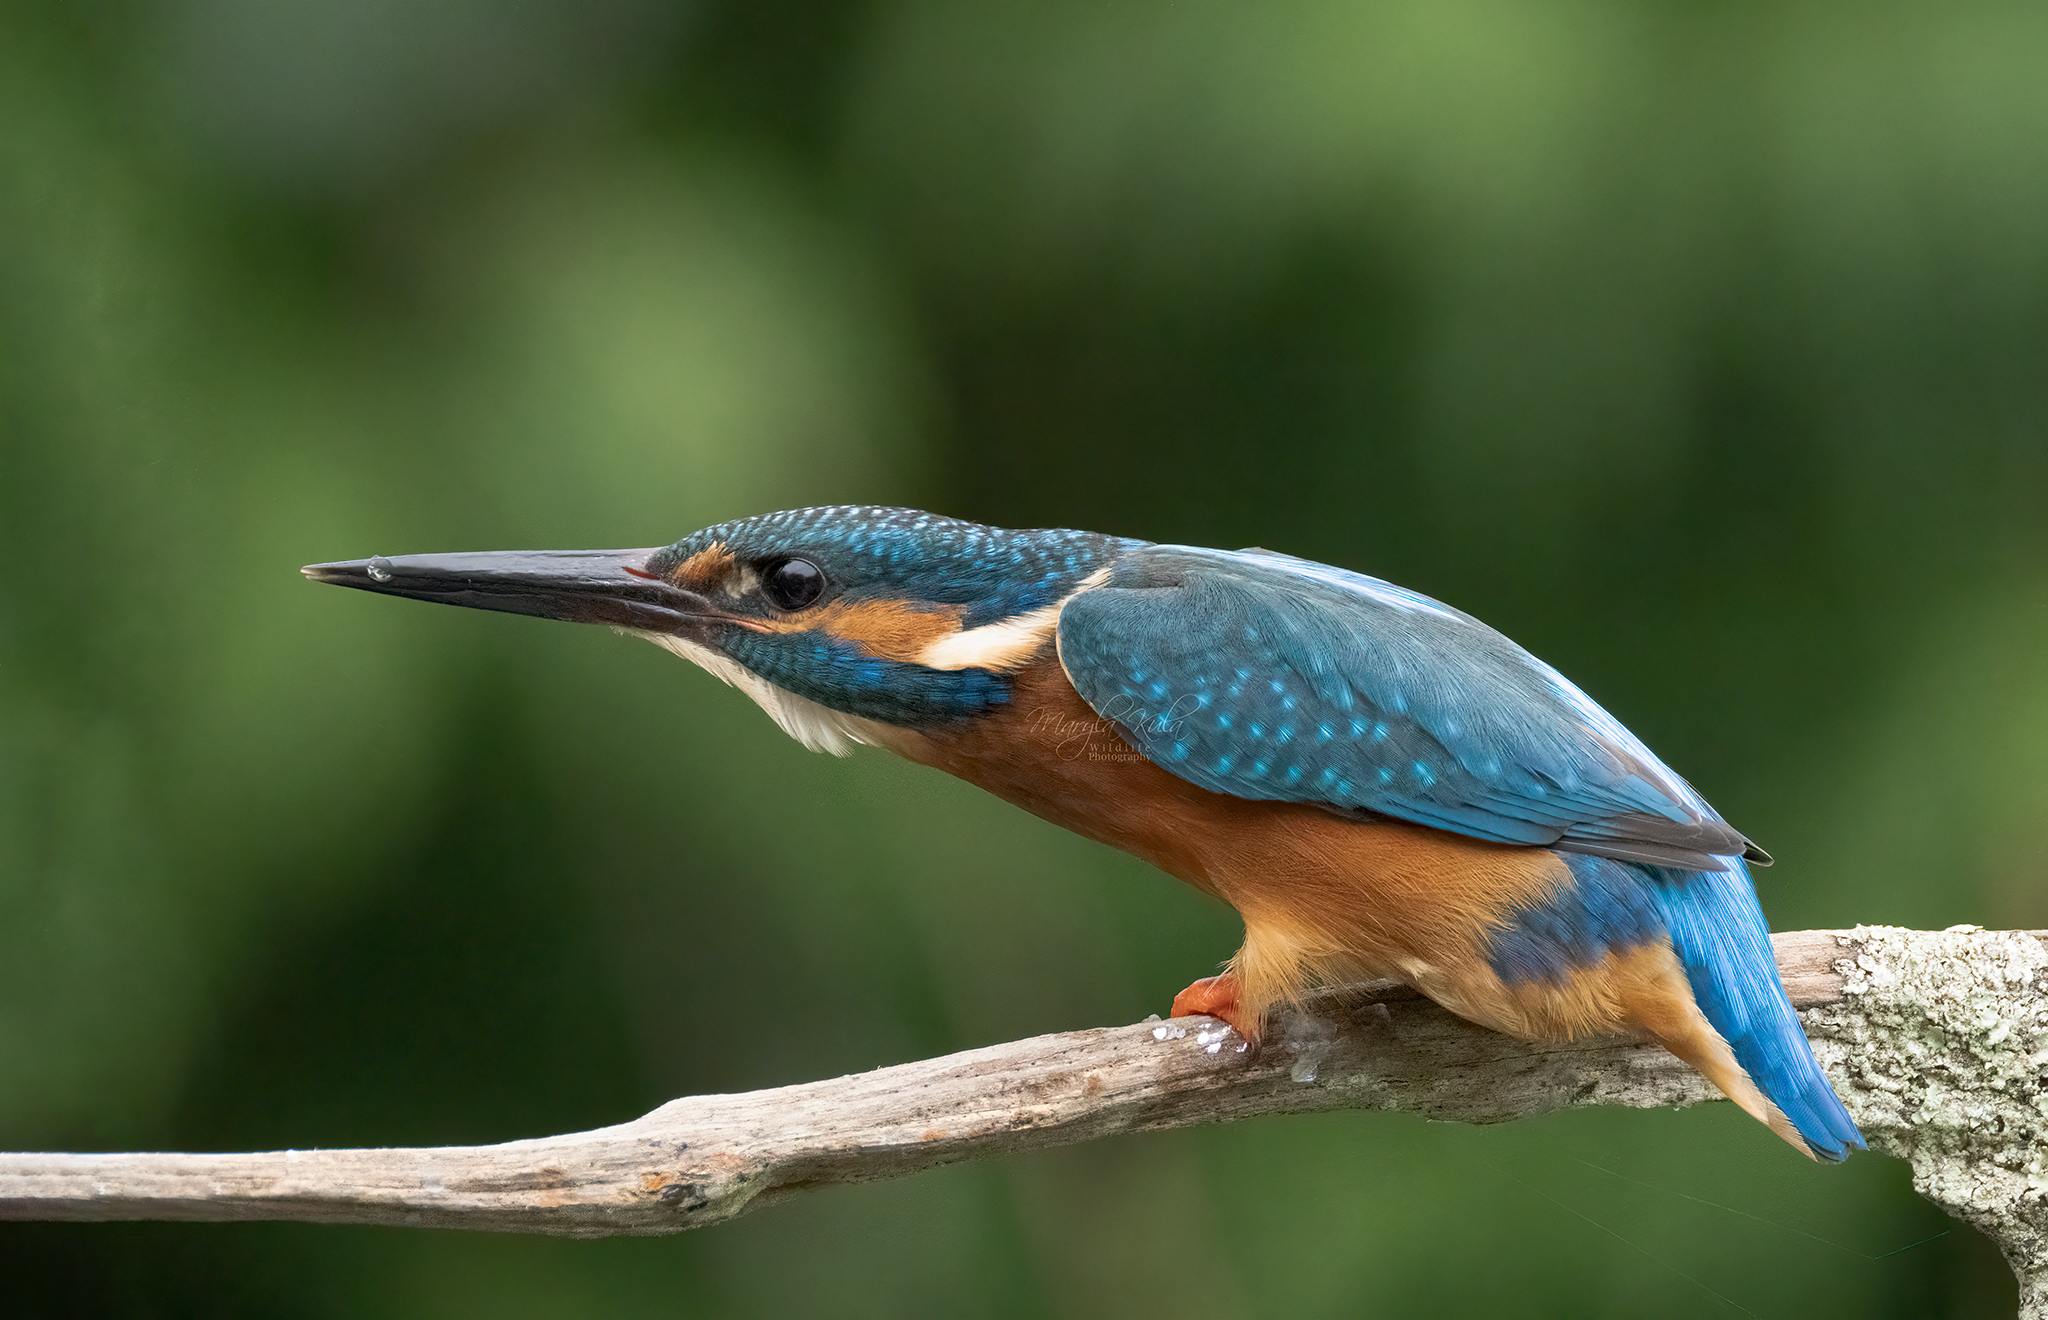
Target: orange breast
(1328, 897)
(1322, 895)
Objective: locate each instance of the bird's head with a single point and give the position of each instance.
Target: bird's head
(835, 620)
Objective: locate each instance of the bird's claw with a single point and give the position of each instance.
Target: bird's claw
(1216, 997)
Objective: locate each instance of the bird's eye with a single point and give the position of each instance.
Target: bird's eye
(791, 584)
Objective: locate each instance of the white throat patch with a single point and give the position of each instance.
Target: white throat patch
(817, 727)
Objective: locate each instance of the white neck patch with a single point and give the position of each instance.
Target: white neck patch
(1001, 646)
(1006, 643)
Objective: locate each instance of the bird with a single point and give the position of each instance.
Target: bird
(1381, 785)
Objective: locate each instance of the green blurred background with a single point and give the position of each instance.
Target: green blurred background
(1702, 348)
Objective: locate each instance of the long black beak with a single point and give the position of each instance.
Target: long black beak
(579, 586)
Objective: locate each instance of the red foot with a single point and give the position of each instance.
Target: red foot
(1216, 997)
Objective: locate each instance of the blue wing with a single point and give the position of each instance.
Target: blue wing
(1269, 677)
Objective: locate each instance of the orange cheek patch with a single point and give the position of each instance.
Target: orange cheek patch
(888, 629)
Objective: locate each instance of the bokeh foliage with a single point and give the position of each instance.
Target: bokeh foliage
(1702, 348)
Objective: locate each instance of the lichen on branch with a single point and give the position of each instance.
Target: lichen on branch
(1936, 1040)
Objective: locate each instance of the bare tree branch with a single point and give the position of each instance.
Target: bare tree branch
(1938, 1042)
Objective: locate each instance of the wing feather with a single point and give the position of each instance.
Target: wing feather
(1268, 677)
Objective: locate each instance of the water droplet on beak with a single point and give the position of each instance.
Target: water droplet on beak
(380, 569)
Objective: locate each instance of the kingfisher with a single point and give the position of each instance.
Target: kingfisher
(1379, 784)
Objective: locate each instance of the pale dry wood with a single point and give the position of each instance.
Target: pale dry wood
(1873, 1000)
(702, 1159)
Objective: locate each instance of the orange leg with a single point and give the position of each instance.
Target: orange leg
(1216, 997)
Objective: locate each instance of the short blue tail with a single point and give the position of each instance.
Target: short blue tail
(1721, 939)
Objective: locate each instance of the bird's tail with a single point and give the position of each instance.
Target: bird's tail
(1719, 934)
